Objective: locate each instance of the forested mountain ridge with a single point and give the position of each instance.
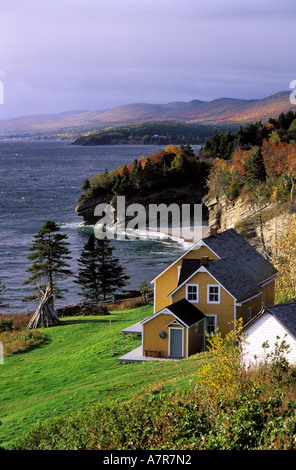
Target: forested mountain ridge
(149, 133)
(222, 111)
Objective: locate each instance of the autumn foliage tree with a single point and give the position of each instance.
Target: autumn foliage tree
(221, 375)
(172, 166)
(284, 259)
(244, 170)
(274, 163)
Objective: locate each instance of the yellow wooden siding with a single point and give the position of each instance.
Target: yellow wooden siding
(199, 252)
(269, 293)
(196, 339)
(224, 311)
(164, 285)
(162, 322)
(151, 330)
(168, 280)
(256, 304)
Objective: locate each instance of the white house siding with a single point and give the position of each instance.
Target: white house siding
(265, 328)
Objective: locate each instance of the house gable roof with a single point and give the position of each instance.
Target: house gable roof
(284, 313)
(240, 269)
(183, 311)
(186, 312)
(197, 245)
(201, 269)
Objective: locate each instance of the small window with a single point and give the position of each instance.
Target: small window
(196, 327)
(192, 292)
(211, 324)
(213, 294)
(249, 314)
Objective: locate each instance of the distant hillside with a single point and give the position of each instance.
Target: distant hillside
(150, 133)
(222, 111)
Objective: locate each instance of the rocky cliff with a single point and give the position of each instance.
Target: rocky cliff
(187, 194)
(261, 225)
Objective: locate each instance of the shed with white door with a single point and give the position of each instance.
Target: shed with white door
(272, 325)
(176, 331)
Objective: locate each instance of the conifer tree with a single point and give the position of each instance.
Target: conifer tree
(49, 255)
(138, 176)
(125, 180)
(100, 274)
(148, 174)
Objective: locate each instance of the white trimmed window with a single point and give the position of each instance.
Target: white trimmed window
(211, 324)
(192, 292)
(213, 296)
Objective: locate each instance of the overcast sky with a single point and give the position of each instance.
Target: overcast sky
(62, 55)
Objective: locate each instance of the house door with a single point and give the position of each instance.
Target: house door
(176, 343)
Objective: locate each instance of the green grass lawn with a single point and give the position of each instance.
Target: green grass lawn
(77, 367)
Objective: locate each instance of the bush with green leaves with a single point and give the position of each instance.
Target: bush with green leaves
(6, 324)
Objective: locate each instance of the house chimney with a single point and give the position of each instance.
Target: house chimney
(213, 231)
(204, 260)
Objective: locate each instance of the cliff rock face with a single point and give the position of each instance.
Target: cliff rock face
(86, 208)
(187, 194)
(261, 225)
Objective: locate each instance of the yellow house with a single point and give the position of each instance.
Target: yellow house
(220, 279)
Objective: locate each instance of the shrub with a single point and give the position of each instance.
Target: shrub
(156, 422)
(14, 335)
(21, 341)
(6, 324)
(221, 374)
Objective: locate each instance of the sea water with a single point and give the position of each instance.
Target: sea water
(41, 180)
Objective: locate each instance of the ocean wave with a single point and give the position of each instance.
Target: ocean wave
(130, 235)
(71, 225)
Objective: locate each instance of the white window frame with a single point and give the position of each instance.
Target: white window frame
(218, 293)
(197, 293)
(214, 316)
(196, 328)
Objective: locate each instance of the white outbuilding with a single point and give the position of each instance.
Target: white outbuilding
(269, 327)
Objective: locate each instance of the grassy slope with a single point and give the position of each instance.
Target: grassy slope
(76, 368)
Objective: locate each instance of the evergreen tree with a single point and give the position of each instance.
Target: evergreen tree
(133, 174)
(148, 174)
(49, 252)
(116, 184)
(189, 153)
(100, 274)
(255, 170)
(85, 185)
(138, 178)
(125, 181)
